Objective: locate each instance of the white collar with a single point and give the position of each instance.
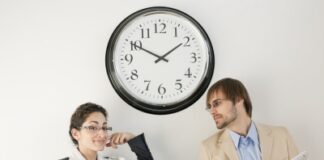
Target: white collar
(76, 155)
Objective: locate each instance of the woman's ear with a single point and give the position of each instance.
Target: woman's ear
(75, 133)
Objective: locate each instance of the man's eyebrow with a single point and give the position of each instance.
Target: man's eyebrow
(216, 100)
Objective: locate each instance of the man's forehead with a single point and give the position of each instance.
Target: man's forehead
(219, 94)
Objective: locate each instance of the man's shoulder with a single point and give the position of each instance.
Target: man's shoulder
(271, 128)
(211, 140)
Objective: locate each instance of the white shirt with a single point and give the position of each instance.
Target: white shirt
(76, 155)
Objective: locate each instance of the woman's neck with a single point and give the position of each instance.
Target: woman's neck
(87, 153)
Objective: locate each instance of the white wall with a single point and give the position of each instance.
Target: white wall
(52, 59)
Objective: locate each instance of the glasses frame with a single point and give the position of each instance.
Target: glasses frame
(96, 129)
(218, 101)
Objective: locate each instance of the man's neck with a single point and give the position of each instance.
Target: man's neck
(241, 125)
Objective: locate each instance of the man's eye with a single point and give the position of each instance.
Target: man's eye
(216, 104)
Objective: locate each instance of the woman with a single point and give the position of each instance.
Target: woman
(89, 132)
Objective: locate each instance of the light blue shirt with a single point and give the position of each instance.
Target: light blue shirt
(248, 147)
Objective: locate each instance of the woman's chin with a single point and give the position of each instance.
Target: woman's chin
(100, 148)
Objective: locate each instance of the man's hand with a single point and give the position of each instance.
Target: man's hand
(119, 138)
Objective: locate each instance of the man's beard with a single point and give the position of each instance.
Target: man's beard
(227, 122)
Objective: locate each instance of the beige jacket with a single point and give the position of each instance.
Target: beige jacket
(275, 143)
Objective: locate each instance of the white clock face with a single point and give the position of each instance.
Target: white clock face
(160, 58)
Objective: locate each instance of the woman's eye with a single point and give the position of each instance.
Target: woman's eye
(92, 128)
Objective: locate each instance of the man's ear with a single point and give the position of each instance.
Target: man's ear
(240, 101)
(75, 134)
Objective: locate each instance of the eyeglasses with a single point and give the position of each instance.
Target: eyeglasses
(96, 129)
(216, 103)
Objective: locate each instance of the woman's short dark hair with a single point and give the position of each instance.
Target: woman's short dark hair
(234, 90)
(81, 114)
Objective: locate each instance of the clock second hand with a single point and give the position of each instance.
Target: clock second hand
(162, 57)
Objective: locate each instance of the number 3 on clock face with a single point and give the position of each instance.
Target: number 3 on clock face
(159, 60)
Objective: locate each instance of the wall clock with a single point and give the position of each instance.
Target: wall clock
(159, 60)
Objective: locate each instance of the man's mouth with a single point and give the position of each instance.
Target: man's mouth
(217, 116)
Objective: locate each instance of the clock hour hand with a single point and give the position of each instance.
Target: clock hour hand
(162, 57)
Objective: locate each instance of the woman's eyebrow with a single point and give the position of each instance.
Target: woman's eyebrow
(96, 122)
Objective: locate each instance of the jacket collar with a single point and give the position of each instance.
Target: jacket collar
(225, 142)
(266, 140)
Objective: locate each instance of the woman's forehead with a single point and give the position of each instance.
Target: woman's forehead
(96, 117)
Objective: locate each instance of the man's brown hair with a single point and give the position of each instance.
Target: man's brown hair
(234, 90)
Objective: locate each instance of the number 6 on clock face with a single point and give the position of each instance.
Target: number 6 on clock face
(159, 60)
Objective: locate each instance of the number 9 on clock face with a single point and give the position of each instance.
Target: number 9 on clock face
(159, 60)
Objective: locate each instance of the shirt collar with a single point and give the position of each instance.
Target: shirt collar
(252, 134)
(78, 156)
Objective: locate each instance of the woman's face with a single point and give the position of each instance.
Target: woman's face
(93, 133)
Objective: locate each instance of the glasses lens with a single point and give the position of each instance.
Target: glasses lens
(96, 129)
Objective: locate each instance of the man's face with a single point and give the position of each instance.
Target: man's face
(222, 110)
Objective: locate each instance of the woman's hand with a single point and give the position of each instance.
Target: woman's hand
(119, 138)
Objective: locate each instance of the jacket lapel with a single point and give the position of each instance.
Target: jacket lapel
(226, 143)
(266, 141)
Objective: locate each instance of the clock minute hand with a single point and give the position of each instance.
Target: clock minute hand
(162, 57)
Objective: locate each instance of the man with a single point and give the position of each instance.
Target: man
(239, 137)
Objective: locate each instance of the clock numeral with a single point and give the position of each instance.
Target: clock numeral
(161, 89)
(148, 84)
(188, 73)
(162, 28)
(187, 39)
(178, 84)
(145, 33)
(137, 45)
(194, 57)
(134, 75)
(129, 58)
(175, 32)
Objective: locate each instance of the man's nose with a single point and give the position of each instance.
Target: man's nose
(213, 110)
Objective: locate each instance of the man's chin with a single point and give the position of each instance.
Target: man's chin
(220, 125)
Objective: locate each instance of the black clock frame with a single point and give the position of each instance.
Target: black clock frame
(150, 108)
